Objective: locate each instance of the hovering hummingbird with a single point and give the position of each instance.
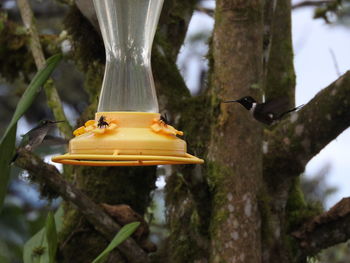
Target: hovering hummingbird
(266, 112)
(35, 136)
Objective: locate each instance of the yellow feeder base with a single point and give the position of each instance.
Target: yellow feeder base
(126, 139)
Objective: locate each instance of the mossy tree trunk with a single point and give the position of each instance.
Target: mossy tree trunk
(235, 147)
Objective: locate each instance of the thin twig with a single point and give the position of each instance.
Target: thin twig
(208, 11)
(93, 213)
(335, 62)
(311, 3)
(54, 101)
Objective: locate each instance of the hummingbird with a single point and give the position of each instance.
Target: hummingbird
(33, 138)
(267, 112)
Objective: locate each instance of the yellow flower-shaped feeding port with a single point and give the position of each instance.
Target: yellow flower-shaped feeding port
(95, 127)
(160, 126)
(127, 139)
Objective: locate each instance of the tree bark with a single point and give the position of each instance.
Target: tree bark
(279, 82)
(325, 230)
(236, 175)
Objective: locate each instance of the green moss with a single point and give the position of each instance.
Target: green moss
(175, 190)
(171, 88)
(264, 201)
(219, 217)
(16, 58)
(281, 161)
(112, 185)
(92, 84)
(119, 185)
(186, 249)
(297, 213)
(90, 243)
(45, 190)
(173, 23)
(183, 242)
(280, 80)
(296, 199)
(195, 122)
(87, 42)
(76, 234)
(217, 175)
(195, 221)
(71, 219)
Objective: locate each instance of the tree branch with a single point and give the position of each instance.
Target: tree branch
(207, 11)
(325, 230)
(92, 212)
(54, 101)
(299, 138)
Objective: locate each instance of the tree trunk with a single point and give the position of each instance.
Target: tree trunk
(237, 170)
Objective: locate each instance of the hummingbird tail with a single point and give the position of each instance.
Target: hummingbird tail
(291, 110)
(14, 158)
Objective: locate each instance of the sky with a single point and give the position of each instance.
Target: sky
(321, 51)
(314, 42)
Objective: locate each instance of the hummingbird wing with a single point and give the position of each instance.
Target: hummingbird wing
(35, 141)
(34, 137)
(51, 140)
(276, 105)
(271, 110)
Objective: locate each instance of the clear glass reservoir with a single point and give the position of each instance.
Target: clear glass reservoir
(128, 28)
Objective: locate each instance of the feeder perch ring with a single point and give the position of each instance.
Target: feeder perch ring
(124, 160)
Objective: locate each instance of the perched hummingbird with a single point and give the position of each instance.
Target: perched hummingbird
(266, 112)
(35, 136)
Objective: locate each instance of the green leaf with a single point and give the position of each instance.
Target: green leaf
(36, 249)
(7, 143)
(7, 146)
(5, 252)
(120, 237)
(51, 237)
(34, 88)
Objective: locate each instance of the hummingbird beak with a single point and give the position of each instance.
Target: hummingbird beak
(57, 121)
(228, 101)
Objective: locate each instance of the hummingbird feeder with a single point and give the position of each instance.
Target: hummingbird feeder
(127, 130)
